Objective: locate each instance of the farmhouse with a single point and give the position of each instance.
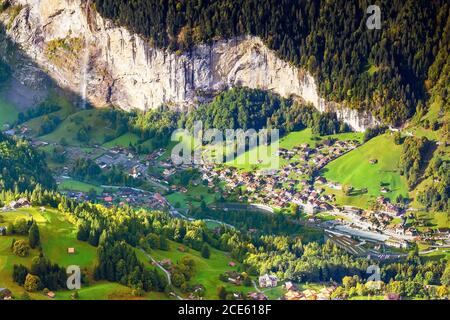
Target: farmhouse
(5, 294)
(268, 281)
(392, 296)
(256, 296)
(290, 286)
(294, 295)
(22, 202)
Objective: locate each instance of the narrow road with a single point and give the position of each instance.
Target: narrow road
(169, 279)
(256, 287)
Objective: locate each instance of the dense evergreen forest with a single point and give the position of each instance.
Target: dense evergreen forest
(244, 108)
(382, 70)
(116, 231)
(22, 168)
(237, 108)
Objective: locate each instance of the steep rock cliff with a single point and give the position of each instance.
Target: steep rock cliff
(111, 66)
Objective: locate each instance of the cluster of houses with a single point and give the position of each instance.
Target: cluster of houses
(124, 158)
(233, 277)
(287, 185)
(125, 196)
(268, 281)
(22, 132)
(320, 155)
(309, 294)
(279, 190)
(5, 294)
(13, 205)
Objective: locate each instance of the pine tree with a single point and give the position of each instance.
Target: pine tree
(34, 236)
(205, 251)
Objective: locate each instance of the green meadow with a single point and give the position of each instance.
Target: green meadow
(194, 195)
(8, 112)
(266, 153)
(66, 109)
(57, 235)
(354, 169)
(207, 270)
(123, 141)
(75, 185)
(96, 129)
(109, 291)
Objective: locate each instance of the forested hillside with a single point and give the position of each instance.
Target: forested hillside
(382, 70)
(22, 168)
(244, 108)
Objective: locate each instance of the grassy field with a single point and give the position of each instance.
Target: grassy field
(265, 154)
(57, 234)
(122, 141)
(75, 185)
(97, 129)
(8, 112)
(194, 195)
(66, 109)
(207, 270)
(109, 291)
(354, 169)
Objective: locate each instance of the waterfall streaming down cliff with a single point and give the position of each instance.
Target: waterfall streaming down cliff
(84, 75)
(85, 64)
(123, 70)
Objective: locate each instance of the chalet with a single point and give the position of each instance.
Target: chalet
(311, 208)
(290, 286)
(5, 294)
(400, 230)
(268, 281)
(310, 294)
(51, 294)
(322, 296)
(443, 231)
(70, 250)
(392, 296)
(321, 180)
(166, 262)
(235, 281)
(10, 132)
(384, 190)
(294, 295)
(256, 296)
(326, 292)
(410, 232)
(237, 296)
(396, 243)
(22, 202)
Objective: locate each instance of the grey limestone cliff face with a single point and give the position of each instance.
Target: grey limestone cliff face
(111, 66)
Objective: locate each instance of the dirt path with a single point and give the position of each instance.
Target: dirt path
(169, 278)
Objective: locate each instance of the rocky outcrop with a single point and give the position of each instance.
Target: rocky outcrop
(89, 54)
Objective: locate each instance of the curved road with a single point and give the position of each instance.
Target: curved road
(169, 279)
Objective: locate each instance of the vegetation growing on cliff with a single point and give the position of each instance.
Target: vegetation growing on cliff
(383, 70)
(22, 168)
(243, 108)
